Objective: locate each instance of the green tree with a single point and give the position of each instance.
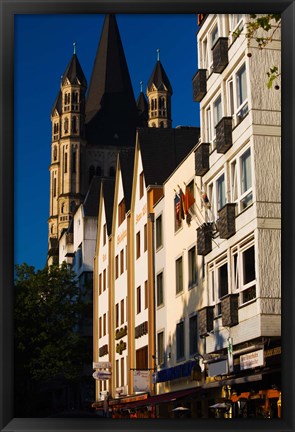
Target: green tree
(48, 309)
(262, 29)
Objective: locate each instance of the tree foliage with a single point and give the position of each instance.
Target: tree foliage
(47, 313)
(262, 29)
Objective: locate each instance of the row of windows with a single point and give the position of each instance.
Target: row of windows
(71, 97)
(102, 282)
(234, 182)
(121, 269)
(180, 341)
(231, 101)
(138, 242)
(102, 326)
(223, 26)
(233, 272)
(179, 282)
(119, 313)
(139, 299)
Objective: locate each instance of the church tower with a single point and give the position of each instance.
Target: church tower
(68, 140)
(89, 131)
(159, 92)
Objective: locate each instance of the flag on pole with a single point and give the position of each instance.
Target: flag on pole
(177, 205)
(182, 204)
(189, 200)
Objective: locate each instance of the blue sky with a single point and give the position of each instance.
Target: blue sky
(43, 48)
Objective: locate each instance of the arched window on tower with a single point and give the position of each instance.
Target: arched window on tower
(91, 173)
(66, 125)
(112, 172)
(62, 208)
(75, 97)
(66, 163)
(54, 153)
(74, 162)
(98, 171)
(74, 124)
(54, 186)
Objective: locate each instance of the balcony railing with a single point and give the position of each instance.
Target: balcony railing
(199, 85)
(202, 159)
(220, 55)
(226, 222)
(204, 239)
(224, 135)
(205, 319)
(229, 309)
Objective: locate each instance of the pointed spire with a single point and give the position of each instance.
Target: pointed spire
(142, 107)
(110, 100)
(159, 78)
(74, 45)
(141, 83)
(74, 71)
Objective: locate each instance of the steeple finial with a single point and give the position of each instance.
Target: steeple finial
(74, 45)
(141, 86)
(158, 54)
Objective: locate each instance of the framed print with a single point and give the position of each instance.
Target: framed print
(147, 216)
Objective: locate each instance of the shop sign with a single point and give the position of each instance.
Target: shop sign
(102, 365)
(252, 360)
(218, 368)
(141, 380)
(102, 375)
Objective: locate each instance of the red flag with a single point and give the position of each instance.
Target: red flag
(189, 200)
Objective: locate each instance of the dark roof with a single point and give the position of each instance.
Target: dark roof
(57, 104)
(91, 201)
(111, 112)
(143, 109)
(108, 187)
(126, 160)
(163, 149)
(159, 78)
(74, 72)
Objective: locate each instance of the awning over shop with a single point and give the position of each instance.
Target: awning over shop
(163, 398)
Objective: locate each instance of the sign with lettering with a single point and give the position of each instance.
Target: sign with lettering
(102, 375)
(252, 360)
(102, 365)
(141, 380)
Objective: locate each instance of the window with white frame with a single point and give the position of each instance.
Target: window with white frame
(213, 115)
(206, 47)
(218, 282)
(241, 180)
(237, 103)
(243, 270)
(216, 195)
(235, 26)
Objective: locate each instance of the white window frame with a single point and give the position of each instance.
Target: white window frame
(213, 196)
(211, 119)
(213, 275)
(238, 195)
(236, 108)
(206, 47)
(238, 272)
(236, 23)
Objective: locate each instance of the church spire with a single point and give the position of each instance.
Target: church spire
(110, 106)
(159, 92)
(142, 107)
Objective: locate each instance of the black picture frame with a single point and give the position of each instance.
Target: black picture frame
(8, 9)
